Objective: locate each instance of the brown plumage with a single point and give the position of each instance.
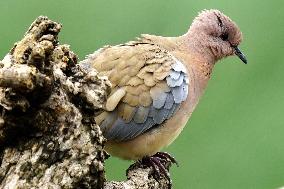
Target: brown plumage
(157, 82)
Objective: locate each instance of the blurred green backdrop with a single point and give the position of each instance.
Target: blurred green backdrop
(235, 137)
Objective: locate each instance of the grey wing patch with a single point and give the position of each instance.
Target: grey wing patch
(163, 107)
(179, 86)
(159, 99)
(141, 128)
(173, 110)
(116, 129)
(178, 94)
(158, 115)
(169, 101)
(175, 82)
(174, 74)
(121, 131)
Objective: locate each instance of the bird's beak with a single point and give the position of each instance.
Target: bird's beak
(239, 53)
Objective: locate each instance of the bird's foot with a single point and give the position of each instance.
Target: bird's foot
(167, 156)
(160, 162)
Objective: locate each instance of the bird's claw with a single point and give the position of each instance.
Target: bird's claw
(167, 156)
(160, 163)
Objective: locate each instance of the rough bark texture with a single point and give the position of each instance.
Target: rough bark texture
(48, 136)
(142, 177)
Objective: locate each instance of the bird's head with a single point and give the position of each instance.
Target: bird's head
(217, 34)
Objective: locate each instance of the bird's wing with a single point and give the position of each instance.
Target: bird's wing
(148, 86)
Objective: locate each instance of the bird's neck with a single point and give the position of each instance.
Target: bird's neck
(195, 58)
(200, 45)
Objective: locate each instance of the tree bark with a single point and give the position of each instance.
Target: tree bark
(48, 135)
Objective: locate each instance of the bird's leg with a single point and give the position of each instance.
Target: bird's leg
(155, 164)
(159, 167)
(166, 156)
(160, 163)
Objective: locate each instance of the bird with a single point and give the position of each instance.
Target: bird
(156, 83)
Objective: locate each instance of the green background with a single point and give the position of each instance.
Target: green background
(234, 139)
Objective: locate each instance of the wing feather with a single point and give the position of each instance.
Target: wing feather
(149, 85)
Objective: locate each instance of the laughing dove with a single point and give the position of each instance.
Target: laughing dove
(157, 82)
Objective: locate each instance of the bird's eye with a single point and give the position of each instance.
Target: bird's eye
(220, 23)
(224, 36)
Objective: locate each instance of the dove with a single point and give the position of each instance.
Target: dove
(157, 82)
